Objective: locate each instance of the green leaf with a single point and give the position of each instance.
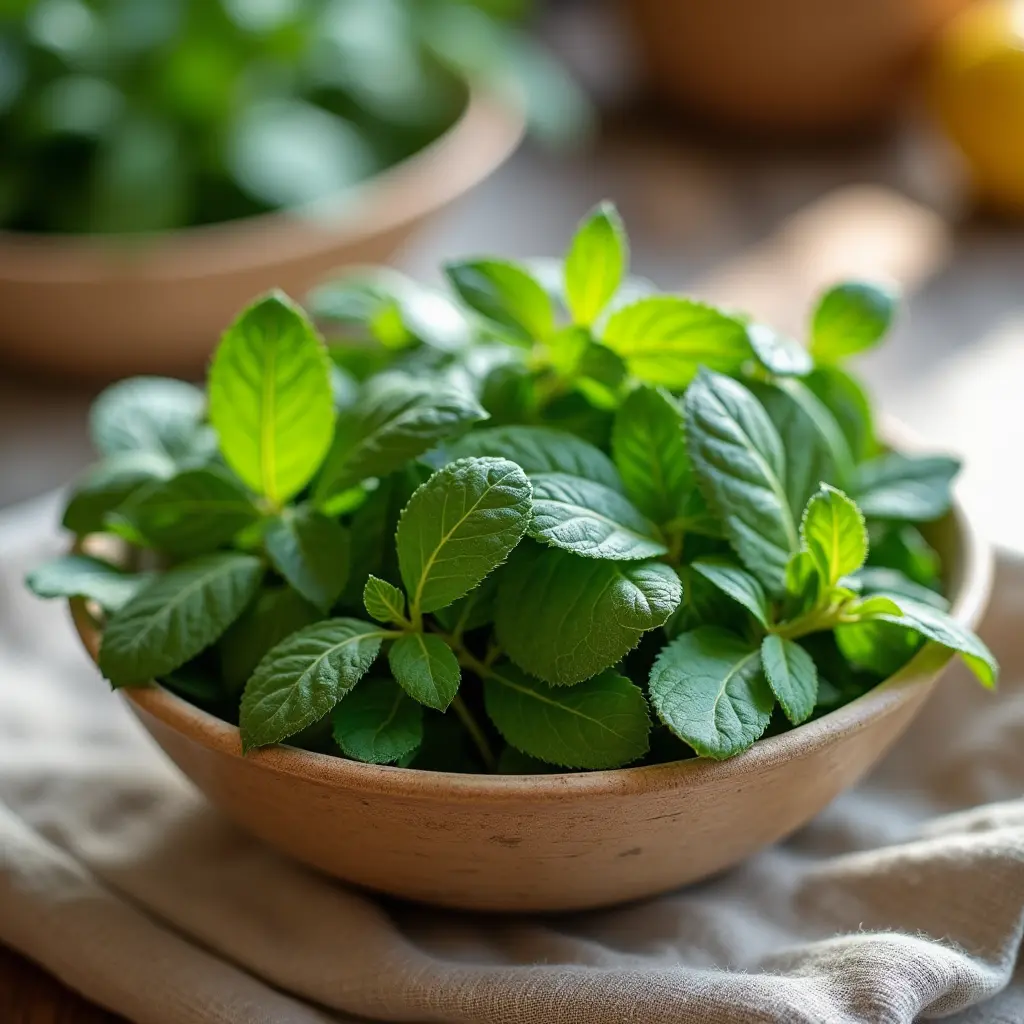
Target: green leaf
(426, 669)
(665, 339)
(595, 264)
(740, 462)
(506, 294)
(738, 584)
(649, 449)
(105, 486)
(311, 552)
(538, 450)
(303, 678)
(803, 580)
(396, 419)
(903, 547)
(709, 688)
(195, 511)
(91, 578)
(876, 578)
(792, 675)
(937, 625)
(382, 601)
(917, 488)
(378, 723)
(270, 397)
(877, 645)
(564, 619)
(600, 723)
(474, 610)
(778, 353)
(850, 318)
(276, 613)
(703, 604)
(178, 615)
(458, 527)
(873, 606)
(844, 397)
(816, 450)
(833, 531)
(158, 415)
(590, 519)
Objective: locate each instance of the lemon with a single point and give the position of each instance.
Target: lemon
(977, 90)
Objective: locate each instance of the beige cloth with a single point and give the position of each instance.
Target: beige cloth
(899, 903)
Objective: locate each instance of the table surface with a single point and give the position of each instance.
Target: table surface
(764, 228)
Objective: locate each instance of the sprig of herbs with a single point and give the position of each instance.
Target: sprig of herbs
(497, 530)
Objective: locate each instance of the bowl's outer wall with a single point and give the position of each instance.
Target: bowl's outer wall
(113, 307)
(555, 842)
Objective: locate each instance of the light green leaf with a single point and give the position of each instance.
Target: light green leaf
(505, 293)
(105, 486)
(311, 552)
(709, 688)
(303, 678)
(778, 353)
(378, 723)
(91, 578)
(792, 675)
(737, 583)
(665, 339)
(178, 615)
(147, 414)
(873, 606)
(590, 519)
(850, 318)
(600, 723)
(538, 450)
(877, 645)
(802, 578)
(740, 462)
(564, 619)
(595, 264)
(426, 669)
(270, 397)
(276, 613)
(396, 419)
(382, 601)
(833, 531)
(458, 527)
(917, 488)
(941, 627)
(195, 511)
(649, 449)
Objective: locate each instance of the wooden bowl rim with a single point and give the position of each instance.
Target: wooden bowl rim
(975, 580)
(487, 130)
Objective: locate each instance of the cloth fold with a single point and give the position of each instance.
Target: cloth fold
(904, 901)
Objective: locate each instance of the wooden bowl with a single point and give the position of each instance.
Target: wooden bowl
(784, 65)
(111, 307)
(550, 842)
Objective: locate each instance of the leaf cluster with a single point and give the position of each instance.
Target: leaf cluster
(547, 519)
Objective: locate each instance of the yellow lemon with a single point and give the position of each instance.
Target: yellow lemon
(977, 89)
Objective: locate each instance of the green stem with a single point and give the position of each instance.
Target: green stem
(817, 620)
(475, 732)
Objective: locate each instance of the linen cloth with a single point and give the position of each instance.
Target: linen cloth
(904, 901)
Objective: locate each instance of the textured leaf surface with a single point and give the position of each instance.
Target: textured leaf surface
(426, 669)
(665, 339)
(833, 531)
(737, 583)
(564, 619)
(590, 519)
(383, 601)
(906, 487)
(506, 294)
(378, 722)
(739, 459)
(708, 687)
(195, 511)
(600, 723)
(176, 616)
(303, 678)
(150, 414)
(459, 526)
(91, 578)
(394, 421)
(270, 397)
(850, 318)
(311, 552)
(595, 264)
(792, 675)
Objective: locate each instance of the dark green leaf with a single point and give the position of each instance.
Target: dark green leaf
(311, 552)
(876, 578)
(426, 669)
(844, 397)
(792, 675)
(906, 487)
(738, 584)
(474, 610)
(147, 414)
(878, 646)
(382, 601)
(850, 318)
(595, 264)
(599, 723)
(378, 723)
(91, 578)
(506, 294)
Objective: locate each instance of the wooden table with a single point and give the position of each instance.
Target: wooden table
(28, 995)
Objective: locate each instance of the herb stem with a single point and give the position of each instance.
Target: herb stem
(475, 732)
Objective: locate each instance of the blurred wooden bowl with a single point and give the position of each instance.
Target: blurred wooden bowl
(109, 307)
(784, 65)
(551, 842)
